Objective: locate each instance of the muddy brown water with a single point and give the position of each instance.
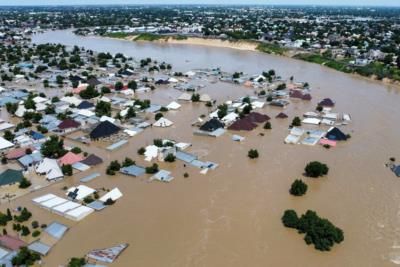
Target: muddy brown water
(231, 216)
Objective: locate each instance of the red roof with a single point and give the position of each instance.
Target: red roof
(306, 97)
(281, 116)
(11, 242)
(70, 158)
(17, 153)
(296, 94)
(244, 124)
(68, 123)
(257, 117)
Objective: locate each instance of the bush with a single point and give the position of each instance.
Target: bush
(141, 151)
(170, 158)
(67, 169)
(316, 169)
(36, 233)
(253, 154)
(296, 122)
(76, 150)
(158, 116)
(290, 219)
(113, 167)
(24, 216)
(25, 230)
(109, 202)
(88, 199)
(318, 231)
(267, 126)
(186, 175)
(76, 262)
(25, 257)
(25, 183)
(195, 98)
(128, 162)
(35, 224)
(298, 188)
(152, 169)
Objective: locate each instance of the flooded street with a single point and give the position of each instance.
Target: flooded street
(232, 215)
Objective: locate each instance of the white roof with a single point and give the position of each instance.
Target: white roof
(173, 105)
(182, 146)
(20, 111)
(230, 117)
(173, 80)
(297, 131)
(40, 106)
(50, 168)
(185, 96)
(4, 144)
(127, 92)
(113, 194)
(205, 98)
(39, 99)
(71, 100)
(257, 104)
(53, 202)
(106, 118)
(43, 198)
(79, 213)
(5, 126)
(86, 113)
(104, 99)
(151, 152)
(292, 139)
(69, 205)
(163, 122)
(83, 191)
(313, 121)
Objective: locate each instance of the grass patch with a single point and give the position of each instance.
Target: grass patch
(150, 37)
(331, 63)
(271, 48)
(119, 35)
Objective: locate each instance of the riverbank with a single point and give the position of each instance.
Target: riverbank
(373, 71)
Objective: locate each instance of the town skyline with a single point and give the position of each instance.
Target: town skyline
(373, 3)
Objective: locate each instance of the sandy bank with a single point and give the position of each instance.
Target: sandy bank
(239, 45)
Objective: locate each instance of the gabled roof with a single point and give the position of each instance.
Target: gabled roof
(10, 176)
(68, 124)
(92, 160)
(104, 129)
(327, 102)
(212, 125)
(244, 124)
(70, 158)
(257, 117)
(11, 242)
(336, 134)
(281, 116)
(85, 105)
(93, 81)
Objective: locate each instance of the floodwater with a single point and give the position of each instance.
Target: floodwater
(231, 216)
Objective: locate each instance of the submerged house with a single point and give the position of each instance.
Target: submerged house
(104, 129)
(336, 134)
(9, 177)
(326, 102)
(212, 125)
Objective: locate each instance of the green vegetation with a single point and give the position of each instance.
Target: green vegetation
(113, 167)
(316, 169)
(253, 153)
(170, 158)
(76, 150)
(152, 169)
(76, 262)
(119, 35)
(36, 233)
(271, 48)
(267, 126)
(326, 61)
(141, 151)
(67, 169)
(195, 98)
(53, 148)
(103, 108)
(25, 257)
(318, 231)
(149, 37)
(25, 183)
(128, 162)
(298, 188)
(296, 122)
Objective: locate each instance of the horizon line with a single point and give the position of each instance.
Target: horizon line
(194, 4)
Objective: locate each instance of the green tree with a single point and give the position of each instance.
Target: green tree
(67, 169)
(103, 108)
(8, 135)
(53, 148)
(290, 219)
(316, 169)
(25, 257)
(253, 153)
(76, 262)
(298, 188)
(25, 183)
(170, 158)
(296, 122)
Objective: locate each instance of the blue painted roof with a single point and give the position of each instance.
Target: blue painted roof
(133, 170)
(56, 229)
(186, 157)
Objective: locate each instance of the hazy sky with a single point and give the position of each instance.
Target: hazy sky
(284, 2)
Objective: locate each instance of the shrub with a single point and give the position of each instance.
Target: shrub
(298, 188)
(25, 183)
(76, 150)
(109, 202)
(35, 224)
(152, 169)
(186, 175)
(170, 158)
(128, 162)
(67, 169)
(24, 216)
(25, 257)
(195, 98)
(36, 233)
(113, 167)
(253, 153)
(25, 230)
(158, 116)
(267, 126)
(76, 262)
(290, 219)
(88, 199)
(141, 151)
(296, 122)
(316, 169)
